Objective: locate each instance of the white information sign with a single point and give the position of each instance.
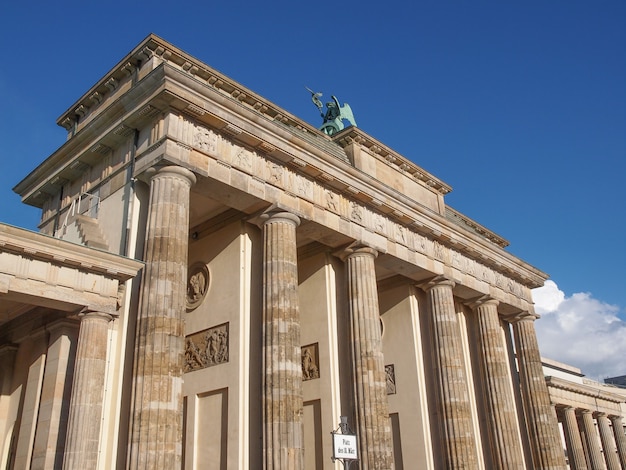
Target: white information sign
(344, 446)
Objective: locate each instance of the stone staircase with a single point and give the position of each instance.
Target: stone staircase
(90, 232)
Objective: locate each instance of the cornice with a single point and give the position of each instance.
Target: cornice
(379, 150)
(461, 219)
(155, 47)
(583, 389)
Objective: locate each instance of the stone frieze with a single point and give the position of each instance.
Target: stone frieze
(262, 168)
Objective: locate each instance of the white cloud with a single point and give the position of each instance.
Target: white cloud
(580, 331)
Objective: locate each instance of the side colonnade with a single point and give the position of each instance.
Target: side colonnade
(593, 439)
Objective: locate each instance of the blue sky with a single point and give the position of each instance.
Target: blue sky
(520, 107)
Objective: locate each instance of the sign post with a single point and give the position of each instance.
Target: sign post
(344, 444)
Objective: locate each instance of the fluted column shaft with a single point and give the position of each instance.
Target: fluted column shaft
(373, 423)
(620, 439)
(85, 415)
(608, 445)
(283, 439)
(53, 414)
(156, 432)
(575, 449)
(501, 415)
(543, 428)
(591, 441)
(455, 417)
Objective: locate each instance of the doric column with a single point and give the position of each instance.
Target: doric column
(620, 439)
(506, 448)
(283, 438)
(594, 453)
(608, 445)
(574, 443)
(156, 430)
(83, 431)
(373, 424)
(52, 417)
(455, 417)
(543, 428)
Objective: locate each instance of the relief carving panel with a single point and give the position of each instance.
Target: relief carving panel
(204, 139)
(206, 348)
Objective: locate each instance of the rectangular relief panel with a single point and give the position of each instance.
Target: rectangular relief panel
(211, 430)
(206, 348)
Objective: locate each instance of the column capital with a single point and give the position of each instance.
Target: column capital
(171, 170)
(525, 316)
(561, 406)
(356, 248)
(483, 300)
(94, 315)
(279, 216)
(435, 282)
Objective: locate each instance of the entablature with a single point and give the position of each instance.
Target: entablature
(36, 269)
(566, 393)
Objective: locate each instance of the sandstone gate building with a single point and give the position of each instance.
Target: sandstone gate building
(216, 282)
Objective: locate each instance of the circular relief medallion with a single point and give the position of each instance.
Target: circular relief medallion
(197, 285)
